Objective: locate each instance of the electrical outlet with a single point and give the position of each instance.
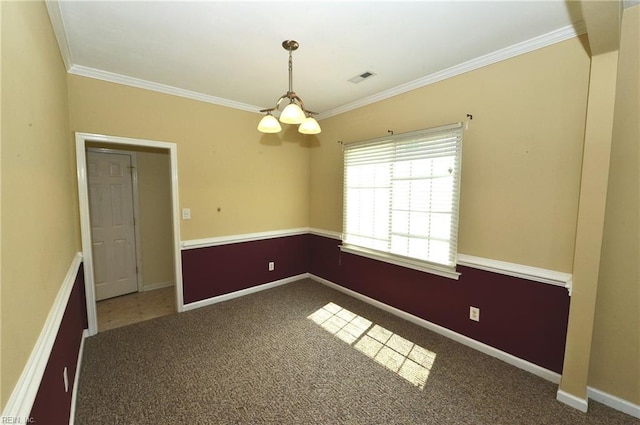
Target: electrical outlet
(186, 213)
(474, 314)
(65, 375)
(272, 266)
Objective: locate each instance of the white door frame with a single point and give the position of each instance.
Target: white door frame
(85, 224)
(136, 206)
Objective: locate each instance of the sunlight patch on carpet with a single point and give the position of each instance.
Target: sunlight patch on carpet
(407, 359)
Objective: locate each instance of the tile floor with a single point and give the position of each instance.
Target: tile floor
(134, 308)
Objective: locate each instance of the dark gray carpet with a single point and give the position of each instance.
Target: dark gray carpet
(259, 359)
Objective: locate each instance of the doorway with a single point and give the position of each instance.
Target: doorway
(113, 200)
(91, 264)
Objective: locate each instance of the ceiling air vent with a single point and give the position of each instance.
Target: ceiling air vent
(361, 77)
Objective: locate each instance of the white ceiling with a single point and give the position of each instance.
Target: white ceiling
(230, 53)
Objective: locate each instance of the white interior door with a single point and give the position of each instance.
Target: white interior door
(112, 223)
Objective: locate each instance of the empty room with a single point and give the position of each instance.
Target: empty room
(319, 212)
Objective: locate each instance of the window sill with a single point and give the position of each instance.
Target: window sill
(401, 261)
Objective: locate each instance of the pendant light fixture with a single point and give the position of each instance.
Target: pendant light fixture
(294, 112)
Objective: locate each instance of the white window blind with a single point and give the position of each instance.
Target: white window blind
(401, 195)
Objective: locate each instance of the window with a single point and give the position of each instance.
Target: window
(401, 196)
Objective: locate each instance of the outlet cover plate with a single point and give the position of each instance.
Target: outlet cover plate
(474, 314)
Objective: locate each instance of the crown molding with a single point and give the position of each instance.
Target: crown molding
(530, 45)
(112, 77)
(55, 16)
(527, 46)
(630, 3)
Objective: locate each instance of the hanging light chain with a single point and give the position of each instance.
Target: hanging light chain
(291, 73)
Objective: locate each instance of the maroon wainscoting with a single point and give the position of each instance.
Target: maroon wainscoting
(524, 318)
(217, 270)
(52, 404)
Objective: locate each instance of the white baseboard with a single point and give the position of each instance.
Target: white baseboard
(562, 396)
(582, 404)
(242, 292)
(74, 393)
(465, 340)
(157, 285)
(24, 393)
(614, 402)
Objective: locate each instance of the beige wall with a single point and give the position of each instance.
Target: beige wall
(590, 224)
(259, 182)
(40, 231)
(615, 352)
(154, 200)
(521, 173)
(521, 156)
(2, 403)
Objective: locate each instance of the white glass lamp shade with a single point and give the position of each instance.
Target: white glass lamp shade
(292, 114)
(309, 126)
(269, 124)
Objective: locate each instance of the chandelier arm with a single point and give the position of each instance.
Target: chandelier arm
(283, 97)
(295, 97)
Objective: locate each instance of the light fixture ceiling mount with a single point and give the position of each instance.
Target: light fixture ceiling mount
(290, 45)
(294, 112)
